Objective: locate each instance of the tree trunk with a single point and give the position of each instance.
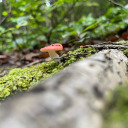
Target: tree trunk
(73, 98)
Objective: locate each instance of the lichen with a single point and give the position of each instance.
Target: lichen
(20, 79)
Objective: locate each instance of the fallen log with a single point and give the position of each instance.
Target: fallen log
(73, 98)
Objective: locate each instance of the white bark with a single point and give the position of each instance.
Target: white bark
(73, 98)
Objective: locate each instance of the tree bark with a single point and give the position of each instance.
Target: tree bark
(73, 98)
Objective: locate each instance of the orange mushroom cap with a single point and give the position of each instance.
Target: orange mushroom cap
(55, 47)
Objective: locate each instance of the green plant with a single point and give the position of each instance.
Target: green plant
(28, 22)
(33, 21)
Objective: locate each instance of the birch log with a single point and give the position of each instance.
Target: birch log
(73, 98)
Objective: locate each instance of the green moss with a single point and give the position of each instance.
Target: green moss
(122, 41)
(22, 79)
(126, 52)
(84, 50)
(78, 54)
(116, 111)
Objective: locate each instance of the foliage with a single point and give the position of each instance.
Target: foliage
(114, 20)
(33, 21)
(28, 22)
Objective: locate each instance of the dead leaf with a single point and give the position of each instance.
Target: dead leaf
(3, 57)
(30, 56)
(125, 35)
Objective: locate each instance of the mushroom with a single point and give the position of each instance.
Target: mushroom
(51, 50)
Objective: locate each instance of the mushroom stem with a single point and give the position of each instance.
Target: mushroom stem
(53, 54)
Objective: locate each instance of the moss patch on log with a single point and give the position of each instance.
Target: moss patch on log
(22, 79)
(116, 112)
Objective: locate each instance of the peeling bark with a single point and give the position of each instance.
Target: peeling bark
(73, 98)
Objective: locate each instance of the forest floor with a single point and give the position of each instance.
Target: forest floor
(26, 57)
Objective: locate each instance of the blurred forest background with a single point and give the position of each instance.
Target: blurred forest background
(33, 23)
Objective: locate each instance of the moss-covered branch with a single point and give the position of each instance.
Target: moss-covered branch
(22, 79)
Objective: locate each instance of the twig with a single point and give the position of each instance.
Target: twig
(114, 43)
(9, 12)
(5, 5)
(106, 46)
(3, 73)
(3, 20)
(118, 4)
(33, 63)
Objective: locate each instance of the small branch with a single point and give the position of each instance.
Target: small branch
(3, 73)
(5, 5)
(34, 63)
(118, 4)
(106, 46)
(3, 20)
(9, 12)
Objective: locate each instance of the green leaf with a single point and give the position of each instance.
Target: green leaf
(91, 26)
(2, 30)
(22, 21)
(5, 13)
(70, 33)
